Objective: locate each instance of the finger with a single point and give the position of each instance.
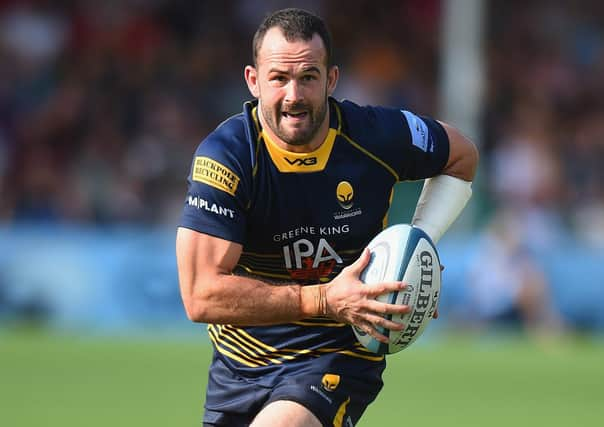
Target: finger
(382, 308)
(369, 329)
(376, 289)
(435, 315)
(362, 261)
(442, 267)
(385, 323)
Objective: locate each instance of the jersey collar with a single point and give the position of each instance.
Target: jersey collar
(315, 161)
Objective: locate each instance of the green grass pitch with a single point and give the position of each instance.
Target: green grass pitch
(60, 381)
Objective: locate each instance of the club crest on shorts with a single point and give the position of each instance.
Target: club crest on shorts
(330, 382)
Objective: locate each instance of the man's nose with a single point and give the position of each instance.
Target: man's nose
(293, 92)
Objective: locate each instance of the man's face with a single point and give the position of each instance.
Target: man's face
(292, 84)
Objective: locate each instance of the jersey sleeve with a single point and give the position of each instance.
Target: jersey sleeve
(217, 193)
(427, 147)
(416, 147)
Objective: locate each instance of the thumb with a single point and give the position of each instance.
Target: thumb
(359, 265)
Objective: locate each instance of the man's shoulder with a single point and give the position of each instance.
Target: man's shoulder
(350, 109)
(236, 129)
(358, 116)
(234, 137)
(369, 123)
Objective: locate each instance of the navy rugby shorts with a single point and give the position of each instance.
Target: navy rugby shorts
(335, 398)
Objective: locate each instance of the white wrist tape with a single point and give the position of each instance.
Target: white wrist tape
(441, 201)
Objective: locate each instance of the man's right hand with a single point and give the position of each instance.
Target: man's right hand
(351, 301)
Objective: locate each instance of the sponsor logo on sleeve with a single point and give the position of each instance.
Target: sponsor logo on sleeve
(203, 204)
(215, 174)
(420, 136)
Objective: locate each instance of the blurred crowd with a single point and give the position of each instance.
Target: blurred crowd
(103, 102)
(544, 116)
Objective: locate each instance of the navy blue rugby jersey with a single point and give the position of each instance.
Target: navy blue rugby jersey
(303, 217)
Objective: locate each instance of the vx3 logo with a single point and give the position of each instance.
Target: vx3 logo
(308, 161)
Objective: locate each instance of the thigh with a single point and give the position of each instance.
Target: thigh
(333, 399)
(231, 400)
(285, 413)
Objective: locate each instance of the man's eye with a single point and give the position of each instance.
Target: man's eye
(309, 78)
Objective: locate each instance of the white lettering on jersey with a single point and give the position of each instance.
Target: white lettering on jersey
(304, 248)
(331, 254)
(291, 234)
(200, 203)
(333, 230)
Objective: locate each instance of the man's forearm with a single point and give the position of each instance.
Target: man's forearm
(241, 300)
(441, 201)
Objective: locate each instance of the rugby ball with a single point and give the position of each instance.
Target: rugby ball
(403, 252)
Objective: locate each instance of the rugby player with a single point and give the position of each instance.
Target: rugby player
(282, 201)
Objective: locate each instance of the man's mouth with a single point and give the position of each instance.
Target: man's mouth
(296, 115)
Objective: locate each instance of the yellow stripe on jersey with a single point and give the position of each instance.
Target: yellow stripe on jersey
(288, 161)
(263, 274)
(260, 347)
(258, 139)
(232, 334)
(254, 353)
(385, 219)
(338, 420)
(228, 354)
(319, 322)
(339, 114)
(370, 155)
(256, 121)
(251, 338)
(284, 353)
(239, 345)
(375, 358)
(267, 272)
(359, 352)
(236, 349)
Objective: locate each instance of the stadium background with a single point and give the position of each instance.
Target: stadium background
(102, 105)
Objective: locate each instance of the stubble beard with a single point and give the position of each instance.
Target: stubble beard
(298, 136)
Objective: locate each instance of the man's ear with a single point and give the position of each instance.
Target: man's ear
(332, 79)
(251, 78)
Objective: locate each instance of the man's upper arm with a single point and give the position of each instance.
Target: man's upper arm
(463, 155)
(416, 147)
(201, 260)
(423, 147)
(220, 183)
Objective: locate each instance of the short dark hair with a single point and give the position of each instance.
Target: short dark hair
(296, 24)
